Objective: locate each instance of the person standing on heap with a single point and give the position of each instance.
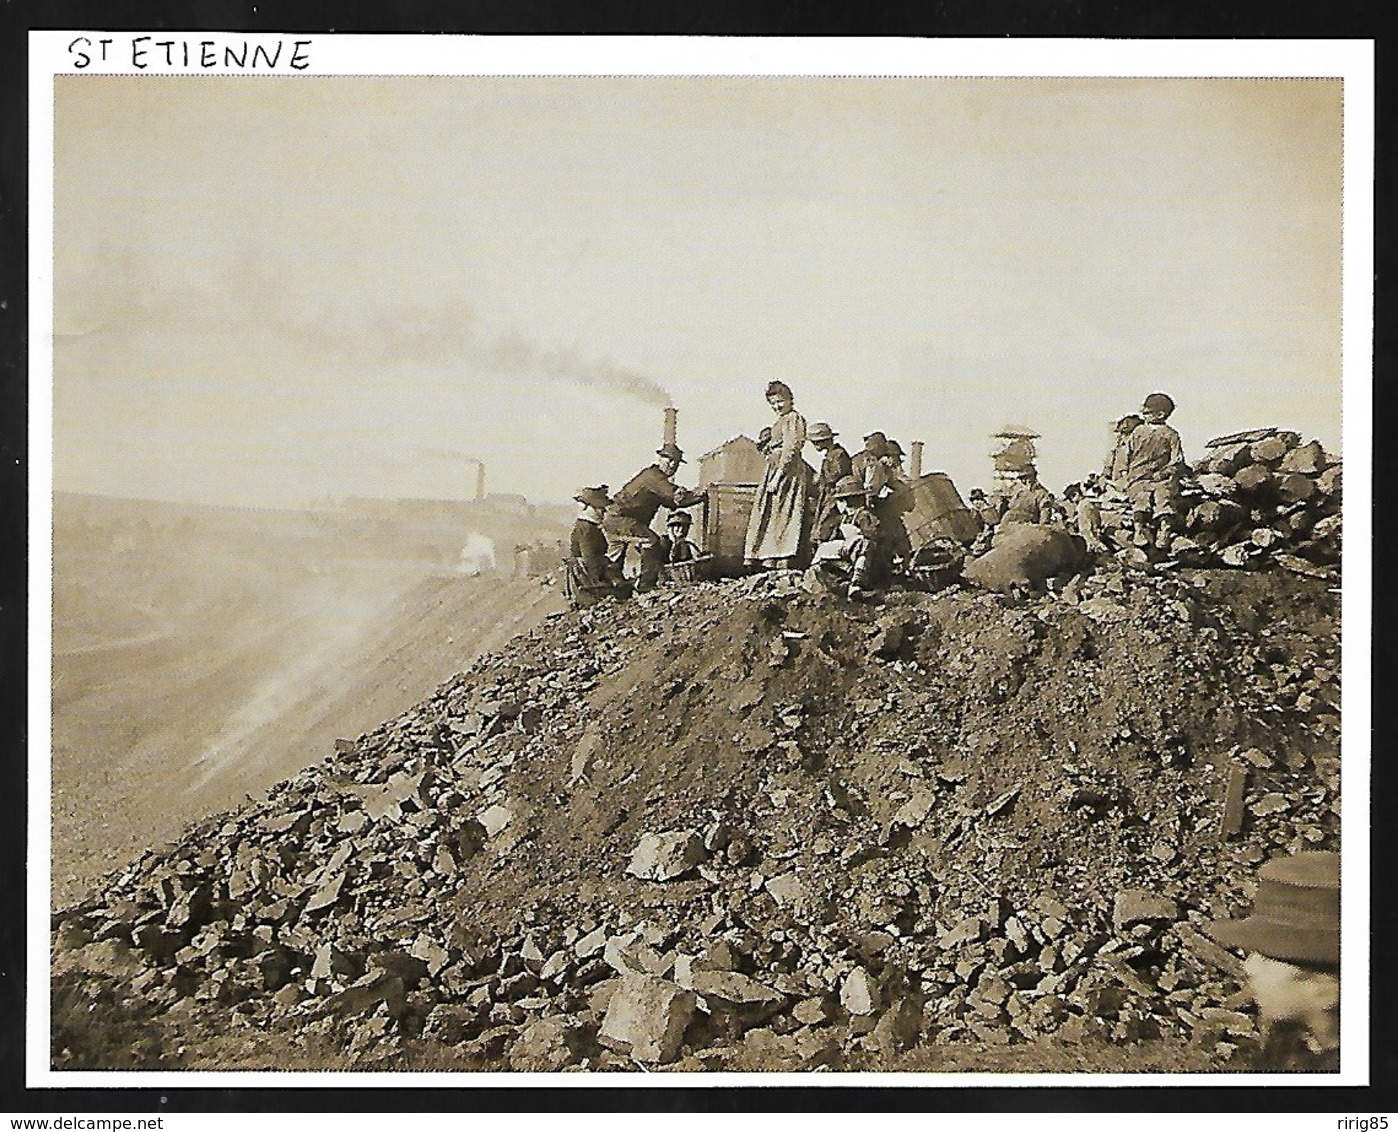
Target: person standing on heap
(1154, 464)
(834, 466)
(893, 502)
(777, 525)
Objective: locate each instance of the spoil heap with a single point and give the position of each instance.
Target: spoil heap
(741, 825)
(1264, 496)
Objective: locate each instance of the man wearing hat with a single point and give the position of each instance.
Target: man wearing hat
(1154, 463)
(856, 556)
(633, 510)
(868, 466)
(1293, 964)
(1030, 501)
(595, 575)
(834, 466)
(1114, 466)
(893, 502)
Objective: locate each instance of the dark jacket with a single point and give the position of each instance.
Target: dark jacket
(588, 546)
(648, 491)
(834, 466)
(680, 549)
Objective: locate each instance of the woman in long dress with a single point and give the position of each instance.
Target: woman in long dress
(777, 527)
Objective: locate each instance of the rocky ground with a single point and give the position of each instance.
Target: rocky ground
(745, 826)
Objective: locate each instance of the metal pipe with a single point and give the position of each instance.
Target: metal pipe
(671, 423)
(480, 480)
(915, 460)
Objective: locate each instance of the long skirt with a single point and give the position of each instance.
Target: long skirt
(779, 523)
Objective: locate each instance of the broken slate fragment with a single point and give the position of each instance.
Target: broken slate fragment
(859, 994)
(731, 987)
(788, 890)
(495, 818)
(646, 1017)
(666, 856)
(1139, 906)
(970, 930)
(914, 811)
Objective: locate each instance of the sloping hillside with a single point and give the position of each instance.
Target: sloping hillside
(745, 826)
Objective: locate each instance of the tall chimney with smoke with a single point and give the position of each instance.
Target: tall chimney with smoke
(480, 480)
(671, 424)
(915, 467)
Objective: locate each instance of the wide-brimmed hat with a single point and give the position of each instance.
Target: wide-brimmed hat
(671, 451)
(679, 519)
(848, 486)
(892, 448)
(1297, 912)
(879, 439)
(820, 431)
(594, 497)
(1134, 418)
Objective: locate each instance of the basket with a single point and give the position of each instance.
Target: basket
(686, 573)
(937, 565)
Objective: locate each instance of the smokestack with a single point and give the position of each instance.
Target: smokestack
(915, 466)
(671, 421)
(480, 480)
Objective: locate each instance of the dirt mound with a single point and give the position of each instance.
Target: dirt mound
(741, 825)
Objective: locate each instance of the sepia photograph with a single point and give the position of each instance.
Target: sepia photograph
(683, 572)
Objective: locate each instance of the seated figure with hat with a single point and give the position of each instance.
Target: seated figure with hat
(1292, 941)
(634, 508)
(592, 573)
(679, 547)
(855, 558)
(868, 466)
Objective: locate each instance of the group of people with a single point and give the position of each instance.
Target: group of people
(846, 516)
(1138, 488)
(606, 524)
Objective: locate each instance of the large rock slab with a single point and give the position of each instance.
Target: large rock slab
(667, 856)
(646, 1018)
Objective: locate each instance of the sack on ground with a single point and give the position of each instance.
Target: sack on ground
(1024, 554)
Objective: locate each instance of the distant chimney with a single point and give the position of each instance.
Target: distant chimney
(480, 480)
(671, 421)
(915, 466)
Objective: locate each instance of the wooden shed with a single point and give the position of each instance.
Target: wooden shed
(736, 461)
(729, 475)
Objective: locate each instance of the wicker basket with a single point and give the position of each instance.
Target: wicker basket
(686, 573)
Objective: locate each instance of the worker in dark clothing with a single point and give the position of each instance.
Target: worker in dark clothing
(834, 466)
(593, 573)
(633, 510)
(856, 556)
(1031, 501)
(676, 541)
(893, 502)
(1153, 466)
(868, 466)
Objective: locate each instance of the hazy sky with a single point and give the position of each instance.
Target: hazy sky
(277, 290)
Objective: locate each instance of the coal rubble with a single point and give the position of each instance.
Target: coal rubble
(1260, 497)
(743, 826)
